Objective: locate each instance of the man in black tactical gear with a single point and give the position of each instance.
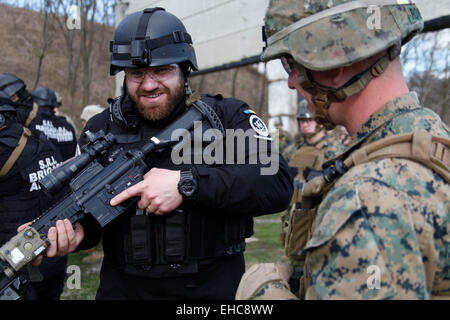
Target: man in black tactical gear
(56, 128)
(52, 140)
(185, 238)
(25, 157)
(15, 89)
(35, 111)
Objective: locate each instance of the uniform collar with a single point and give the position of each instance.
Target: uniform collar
(398, 106)
(367, 132)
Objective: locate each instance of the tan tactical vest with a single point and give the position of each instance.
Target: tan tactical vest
(302, 158)
(308, 156)
(431, 151)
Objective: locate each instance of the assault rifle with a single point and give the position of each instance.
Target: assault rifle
(92, 186)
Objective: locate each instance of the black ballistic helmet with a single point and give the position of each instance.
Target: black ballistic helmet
(10, 84)
(6, 109)
(44, 97)
(149, 38)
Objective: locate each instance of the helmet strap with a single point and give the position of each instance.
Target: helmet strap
(190, 97)
(322, 96)
(187, 88)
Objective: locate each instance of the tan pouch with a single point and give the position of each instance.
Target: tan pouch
(299, 231)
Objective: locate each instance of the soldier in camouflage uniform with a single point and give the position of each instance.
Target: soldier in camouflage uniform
(282, 138)
(316, 147)
(381, 228)
(321, 145)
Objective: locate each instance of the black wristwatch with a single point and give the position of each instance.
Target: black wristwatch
(187, 186)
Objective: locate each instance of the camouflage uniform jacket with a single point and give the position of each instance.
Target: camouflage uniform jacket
(384, 220)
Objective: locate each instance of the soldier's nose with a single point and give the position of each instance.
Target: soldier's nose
(149, 84)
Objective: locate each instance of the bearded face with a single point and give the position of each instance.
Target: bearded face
(156, 91)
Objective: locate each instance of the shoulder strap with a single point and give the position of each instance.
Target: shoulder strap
(16, 153)
(32, 114)
(420, 146)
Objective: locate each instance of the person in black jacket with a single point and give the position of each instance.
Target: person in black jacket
(26, 156)
(185, 236)
(56, 128)
(35, 111)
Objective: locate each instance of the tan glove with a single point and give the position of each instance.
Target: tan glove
(266, 281)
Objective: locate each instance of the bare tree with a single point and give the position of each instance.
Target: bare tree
(62, 10)
(36, 46)
(47, 36)
(426, 61)
(88, 30)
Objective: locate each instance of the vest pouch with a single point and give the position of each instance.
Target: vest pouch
(175, 236)
(299, 231)
(140, 240)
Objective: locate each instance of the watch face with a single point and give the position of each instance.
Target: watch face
(187, 187)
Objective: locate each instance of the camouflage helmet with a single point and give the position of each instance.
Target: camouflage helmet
(326, 34)
(303, 112)
(322, 35)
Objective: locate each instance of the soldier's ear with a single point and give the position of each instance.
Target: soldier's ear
(331, 78)
(337, 76)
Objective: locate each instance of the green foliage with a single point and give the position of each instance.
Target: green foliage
(267, 247)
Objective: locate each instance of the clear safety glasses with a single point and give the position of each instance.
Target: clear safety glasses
(159, 73)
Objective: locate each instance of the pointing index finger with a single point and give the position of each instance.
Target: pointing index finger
(127, 194)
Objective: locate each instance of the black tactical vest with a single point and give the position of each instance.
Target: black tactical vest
(173, 244)
(21, 199)
(57, 130)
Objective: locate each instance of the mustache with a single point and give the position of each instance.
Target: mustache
(152, 92)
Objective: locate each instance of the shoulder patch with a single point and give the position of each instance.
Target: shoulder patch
(258, 125)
